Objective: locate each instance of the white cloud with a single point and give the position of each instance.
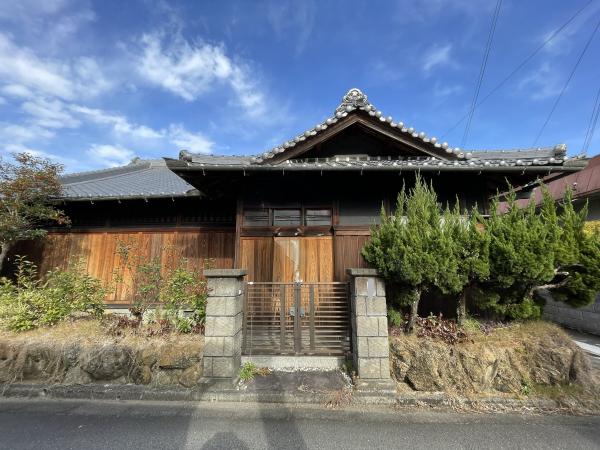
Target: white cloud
(16, 90)
(50, 113)
(184, 140)
(437, 56)
(440, 90)
(189, 70)
(110, 155)
(77, 78)
(120, 124)
(18, 134)
(562, 43)
(292, 19)
(542, 83)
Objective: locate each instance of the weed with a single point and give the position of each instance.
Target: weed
(249, 370)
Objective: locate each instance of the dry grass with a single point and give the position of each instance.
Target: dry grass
(92, 332)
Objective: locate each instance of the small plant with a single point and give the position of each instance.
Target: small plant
(249, 370)
(184, 324)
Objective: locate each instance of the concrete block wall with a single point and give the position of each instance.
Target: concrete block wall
(224, 323)
(369, 325)
(586, 319)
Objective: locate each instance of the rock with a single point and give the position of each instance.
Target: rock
(581, 371)
(6, 372)
(107, 363)
(148, 356)
(190, 376)
(38, 361)
(76, 375)
(141, 375)
(70, 356)
(541, 355)
(177, 356)
(166, 377)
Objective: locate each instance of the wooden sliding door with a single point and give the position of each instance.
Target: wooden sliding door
(287, 259)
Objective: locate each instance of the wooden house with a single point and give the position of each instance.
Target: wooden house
(300, 211)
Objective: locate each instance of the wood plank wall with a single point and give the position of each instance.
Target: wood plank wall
(346, 254)
(99, 250)
(320, 258)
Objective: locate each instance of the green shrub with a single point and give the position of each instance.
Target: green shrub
(395, 317)
(184, 289)
(30, 302)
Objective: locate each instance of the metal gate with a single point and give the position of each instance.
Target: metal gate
(296, 318)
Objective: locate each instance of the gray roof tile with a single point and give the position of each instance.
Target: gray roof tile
(139, 179)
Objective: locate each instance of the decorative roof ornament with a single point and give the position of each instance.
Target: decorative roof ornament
(352, 100)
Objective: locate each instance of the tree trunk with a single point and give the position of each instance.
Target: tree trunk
(4, 253)
(461, 308)
(461, 304)
(414, 312)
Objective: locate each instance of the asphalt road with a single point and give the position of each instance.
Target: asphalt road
(60, 424)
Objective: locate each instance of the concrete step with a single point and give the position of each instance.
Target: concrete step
(279, 362)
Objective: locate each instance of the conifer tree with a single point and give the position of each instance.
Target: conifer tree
(410, 248)
(577, 258)
(470, 262)
(523, 245)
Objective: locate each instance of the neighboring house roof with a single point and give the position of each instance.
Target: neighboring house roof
(355, 108)
(584, 183)
(139, 179)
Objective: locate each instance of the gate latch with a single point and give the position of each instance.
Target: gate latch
(293, 312)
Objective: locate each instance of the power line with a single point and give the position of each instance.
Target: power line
(486, 54)
(521, 65)
(564, 88)
(589, 134)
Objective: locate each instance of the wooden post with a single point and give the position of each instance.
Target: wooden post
(297, 318)
(282, 317)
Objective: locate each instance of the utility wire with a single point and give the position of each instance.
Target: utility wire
(522, 64)
(564, 88)
(486, 54)
(589, 134)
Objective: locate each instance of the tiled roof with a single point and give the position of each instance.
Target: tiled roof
(539, 159)
(139, 179)
(357, 102)
(479, 161)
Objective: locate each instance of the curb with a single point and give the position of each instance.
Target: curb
(136, 392)
(204, 394)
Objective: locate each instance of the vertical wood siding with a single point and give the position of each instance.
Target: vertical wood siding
(278, 259)
(99, 251)
(346, 251)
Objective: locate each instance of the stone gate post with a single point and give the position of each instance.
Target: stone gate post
(224, 320)
(368, 309)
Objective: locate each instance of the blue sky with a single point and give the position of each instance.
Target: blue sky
(93, 84)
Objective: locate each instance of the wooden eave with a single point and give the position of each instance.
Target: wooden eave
(371, 125)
